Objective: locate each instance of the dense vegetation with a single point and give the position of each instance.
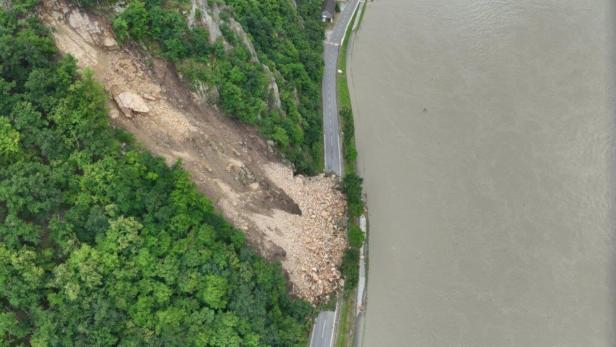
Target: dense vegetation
(289, 41)
(352, 188)
(286, 40)
(100, 242)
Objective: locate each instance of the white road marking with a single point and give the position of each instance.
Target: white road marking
(323, 330)
(312, 335)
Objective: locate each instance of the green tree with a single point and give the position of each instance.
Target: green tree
(80, 116)
(11, 329)
(136, 19)
(9, 139)
(215, 291)
(280, 136)
(120, 28)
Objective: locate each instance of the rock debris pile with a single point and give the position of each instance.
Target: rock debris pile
(315, 240)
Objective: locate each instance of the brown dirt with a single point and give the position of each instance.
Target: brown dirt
(297, 220)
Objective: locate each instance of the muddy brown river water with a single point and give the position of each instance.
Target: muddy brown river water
(485, 131)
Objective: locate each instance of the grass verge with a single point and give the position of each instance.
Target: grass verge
(345, 107)
(346, 321)
(350, 266)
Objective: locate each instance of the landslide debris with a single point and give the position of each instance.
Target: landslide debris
(297, 220)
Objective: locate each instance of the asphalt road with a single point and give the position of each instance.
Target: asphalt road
(324, 326)
(323, 330)
(331, 126)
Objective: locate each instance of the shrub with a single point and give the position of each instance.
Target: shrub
(120, 28)
(350, 268)
(352, 187)
(356, 236)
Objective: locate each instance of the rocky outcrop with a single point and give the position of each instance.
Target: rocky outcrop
(209, 18)
(274, 102)
(206, 93)
(86, 26)
(239, 31)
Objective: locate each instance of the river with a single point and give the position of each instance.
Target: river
(485, 137)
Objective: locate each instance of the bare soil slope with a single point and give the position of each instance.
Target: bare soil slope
(297, 220)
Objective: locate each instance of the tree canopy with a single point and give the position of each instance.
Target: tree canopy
(103, 244)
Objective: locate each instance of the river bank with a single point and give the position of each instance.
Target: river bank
(352, 302)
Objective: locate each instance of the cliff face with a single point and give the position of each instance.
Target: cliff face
(297, 220)
(208, 15)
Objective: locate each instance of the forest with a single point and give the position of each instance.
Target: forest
(103, 244)
(287, 40)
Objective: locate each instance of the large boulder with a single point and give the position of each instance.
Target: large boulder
(131, 102)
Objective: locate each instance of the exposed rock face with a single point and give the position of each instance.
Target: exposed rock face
(128, 101)
(206, 93)
(84, 25)
(81, 23)
(275, 101)
(210, 18)
(239, 31)
(297, 220)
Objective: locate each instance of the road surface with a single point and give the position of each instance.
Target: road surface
(331, 126)
(324, 326)
(323, 330)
